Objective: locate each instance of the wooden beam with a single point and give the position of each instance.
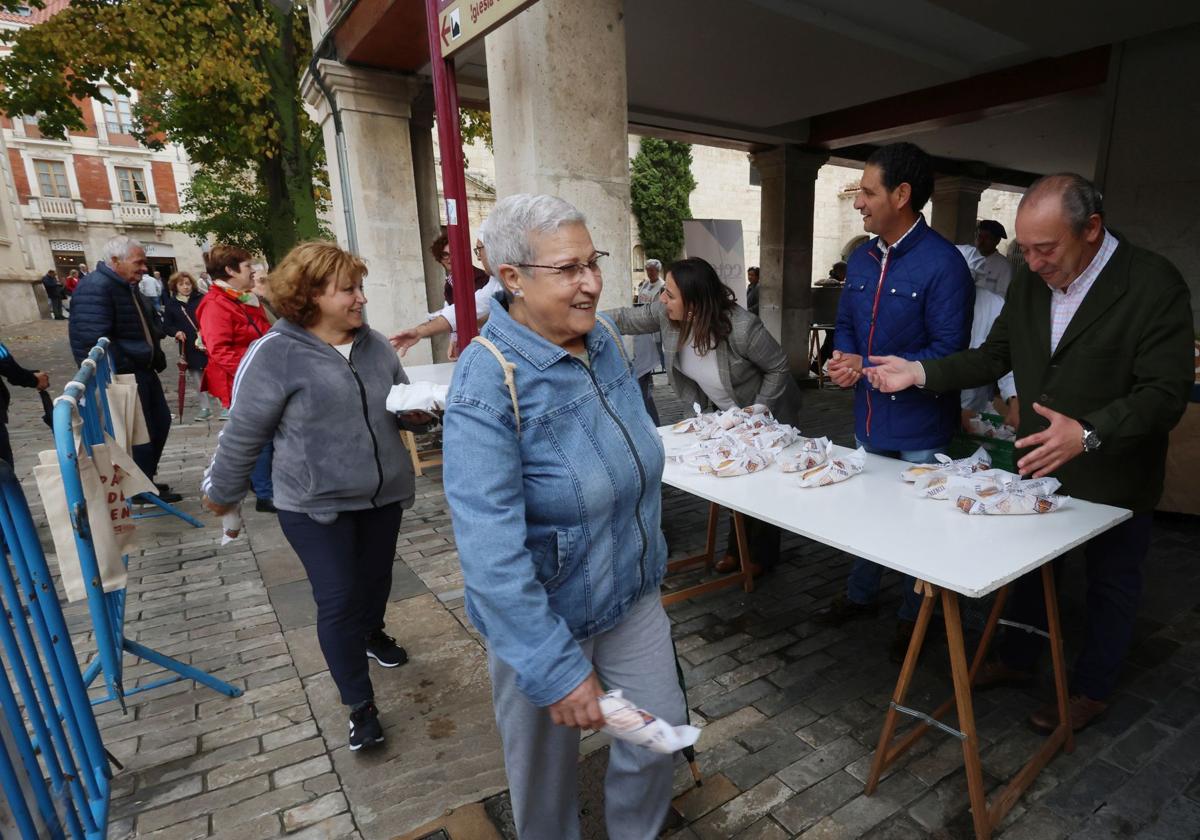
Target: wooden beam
(967, 100)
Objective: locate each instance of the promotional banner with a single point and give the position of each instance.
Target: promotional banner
(719, 241)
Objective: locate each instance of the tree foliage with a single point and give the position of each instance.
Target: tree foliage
(227, 204)
(218, 77)
(660, 182)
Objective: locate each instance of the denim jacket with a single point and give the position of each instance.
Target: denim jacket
(558, 527)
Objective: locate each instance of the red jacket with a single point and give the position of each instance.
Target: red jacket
(227, 328)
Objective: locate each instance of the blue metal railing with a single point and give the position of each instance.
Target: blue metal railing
(86, 394)
(60, 762)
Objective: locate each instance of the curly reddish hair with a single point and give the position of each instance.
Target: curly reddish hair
(303, 276)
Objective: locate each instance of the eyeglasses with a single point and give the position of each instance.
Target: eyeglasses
(478, 251)
(572, 273)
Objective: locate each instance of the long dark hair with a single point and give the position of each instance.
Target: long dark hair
(707, 302)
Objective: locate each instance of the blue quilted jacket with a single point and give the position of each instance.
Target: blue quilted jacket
(917, 304)
(103, 305)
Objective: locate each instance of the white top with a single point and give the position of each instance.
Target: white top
(150, 286)
(483, 295)
(344, 349)
(1065, 303)
(987, 309)
(992, 273)
(876, 516)
(648, 292)
(703, 371)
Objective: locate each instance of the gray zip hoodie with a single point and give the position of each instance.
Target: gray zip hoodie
(337, 447)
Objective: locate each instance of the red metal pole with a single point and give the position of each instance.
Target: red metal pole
(454, 185)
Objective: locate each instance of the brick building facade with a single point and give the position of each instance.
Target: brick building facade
(67, 197)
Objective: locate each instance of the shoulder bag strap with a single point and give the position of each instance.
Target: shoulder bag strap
(509, 375)
(617, 338)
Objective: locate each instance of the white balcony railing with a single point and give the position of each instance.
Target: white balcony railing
(130, 213)
(42, 210)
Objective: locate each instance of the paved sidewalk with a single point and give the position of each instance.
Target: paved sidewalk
(791, 710)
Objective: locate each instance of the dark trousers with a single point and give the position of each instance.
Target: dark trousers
(646, 384)
(158, 421)
(1114, 587)
(6, 453)
(349, 566)
(762, 540)
(56, 299)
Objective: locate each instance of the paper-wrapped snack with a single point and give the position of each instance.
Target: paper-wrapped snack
(979, 425)
(417, 396)
(742, 463)
(624, 720)
(977, 462)
(1002, 493)
(834, 469)
(231, 525)
(809, 453)
(934, 485)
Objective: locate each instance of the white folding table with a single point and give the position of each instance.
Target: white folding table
(439, 374)
(877, 516)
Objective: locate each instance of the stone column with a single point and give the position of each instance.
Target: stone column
(789, 177)
(956, 207)
(556, 82)
(429, 211)
(376, 110)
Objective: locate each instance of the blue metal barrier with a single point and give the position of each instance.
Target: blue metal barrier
(48, 716)
(86, 393)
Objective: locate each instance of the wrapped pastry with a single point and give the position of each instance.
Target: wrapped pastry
(741, 464)
(979, 425)
(1002, 493)
(978, 461)
(834, 470)
(811, 452)
(624, 720)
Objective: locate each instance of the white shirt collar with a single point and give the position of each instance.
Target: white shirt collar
(1084, 281)
(885, 248)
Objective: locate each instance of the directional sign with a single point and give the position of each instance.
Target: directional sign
(462, 21)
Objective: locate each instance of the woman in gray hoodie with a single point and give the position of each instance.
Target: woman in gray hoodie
(317, 384)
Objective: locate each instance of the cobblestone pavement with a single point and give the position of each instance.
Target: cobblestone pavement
(791, 710)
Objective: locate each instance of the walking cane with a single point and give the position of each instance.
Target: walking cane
(183, 368)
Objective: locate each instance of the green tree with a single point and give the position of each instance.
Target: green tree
(660, 182)
(218, 77)
(229, 205)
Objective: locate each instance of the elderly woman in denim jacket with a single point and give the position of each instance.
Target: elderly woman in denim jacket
(554, 489)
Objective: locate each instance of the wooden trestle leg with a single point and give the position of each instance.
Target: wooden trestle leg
(985, 817)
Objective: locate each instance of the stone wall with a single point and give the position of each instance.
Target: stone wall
(21, 301)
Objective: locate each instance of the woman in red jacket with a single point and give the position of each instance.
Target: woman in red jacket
(231, 318)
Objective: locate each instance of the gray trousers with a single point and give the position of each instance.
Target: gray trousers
(541, 758)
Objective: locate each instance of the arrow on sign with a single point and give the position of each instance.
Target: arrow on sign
(445, 31)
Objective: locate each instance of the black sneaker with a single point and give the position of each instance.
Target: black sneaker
(842, 609)
(365, 730)
(383, 649)
(165, 493)
(265, 506)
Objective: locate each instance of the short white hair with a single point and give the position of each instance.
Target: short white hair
(654, 264)
(505, 233)
(121, 247)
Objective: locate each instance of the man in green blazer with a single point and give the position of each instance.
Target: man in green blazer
(1098, 334)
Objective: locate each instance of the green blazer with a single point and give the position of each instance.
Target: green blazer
(1124, 364)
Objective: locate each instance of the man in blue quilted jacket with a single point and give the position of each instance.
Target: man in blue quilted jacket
(909, 290)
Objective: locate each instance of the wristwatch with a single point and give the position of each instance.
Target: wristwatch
(1091, 438)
